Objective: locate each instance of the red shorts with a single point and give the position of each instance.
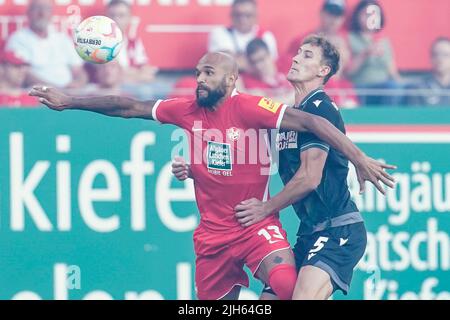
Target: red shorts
(221, 257)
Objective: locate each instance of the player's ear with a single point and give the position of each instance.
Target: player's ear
(231, 79)
(324, 71)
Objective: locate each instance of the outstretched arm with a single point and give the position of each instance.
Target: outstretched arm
(367, 169)
(114, 106)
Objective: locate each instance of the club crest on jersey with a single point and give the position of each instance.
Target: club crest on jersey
(233, 134)
(269, 104)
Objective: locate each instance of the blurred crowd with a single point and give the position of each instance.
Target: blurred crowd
(368, 75)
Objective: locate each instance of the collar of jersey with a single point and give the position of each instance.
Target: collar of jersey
(310, 95)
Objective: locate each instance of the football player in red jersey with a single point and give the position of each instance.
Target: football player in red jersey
(222, 245)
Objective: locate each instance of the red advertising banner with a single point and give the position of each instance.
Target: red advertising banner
(175, 31)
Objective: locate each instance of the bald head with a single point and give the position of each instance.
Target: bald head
(221, 60)
(217, 73)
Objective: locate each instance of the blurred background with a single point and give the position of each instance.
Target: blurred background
(88, 207)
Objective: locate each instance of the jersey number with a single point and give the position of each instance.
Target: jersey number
(318, 245)
(273, 236)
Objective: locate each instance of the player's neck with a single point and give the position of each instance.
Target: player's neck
(221, 101)
(218, 104)
(43, 33)
(303, 89)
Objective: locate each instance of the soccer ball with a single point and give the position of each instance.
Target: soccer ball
(98, 39)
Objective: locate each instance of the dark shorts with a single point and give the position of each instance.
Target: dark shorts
(335, 250)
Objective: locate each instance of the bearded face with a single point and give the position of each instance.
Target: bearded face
(208, 97)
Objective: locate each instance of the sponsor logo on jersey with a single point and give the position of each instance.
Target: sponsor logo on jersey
(269, 105)
(286, 140)
(219, 156)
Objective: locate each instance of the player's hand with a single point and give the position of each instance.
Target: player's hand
(180, 169)
(250, 211)
(372, 170)
(51, 97)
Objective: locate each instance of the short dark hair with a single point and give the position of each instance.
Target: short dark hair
(354, 21)
(255, 45)
(113, 3)
(237, 2)
(330, 54)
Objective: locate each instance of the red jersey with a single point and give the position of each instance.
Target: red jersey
(230, 159)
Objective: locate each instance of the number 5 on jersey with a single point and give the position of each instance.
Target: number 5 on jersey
(317, 247)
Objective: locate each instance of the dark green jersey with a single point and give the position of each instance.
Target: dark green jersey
(330, 204)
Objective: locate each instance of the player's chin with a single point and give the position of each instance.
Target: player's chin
(292, 76)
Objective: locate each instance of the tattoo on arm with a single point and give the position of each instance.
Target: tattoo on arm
(278, 260)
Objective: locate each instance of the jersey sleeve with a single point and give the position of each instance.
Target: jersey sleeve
(171, 111)
(261, 112)
(325, 110)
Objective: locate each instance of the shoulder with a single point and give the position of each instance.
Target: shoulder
(21, 35)
(247, 100)
(60, 39)
(258, 105)
(180, 102)
(176, 107)
(243, 99)
(219, 31)
(321, 104)
(267, 34)
(59, 36)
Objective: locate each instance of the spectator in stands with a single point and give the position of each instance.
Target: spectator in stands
(437, 84)
(342, 91)
(133, 57)
(106, 79)
(14, 70)
(332, 18)
(244, 28)
(372, 65)
(184, 88)
(52, 58)
(263, 77)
